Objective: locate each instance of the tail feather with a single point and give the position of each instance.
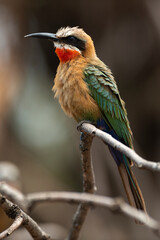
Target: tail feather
(132, 189)
(130, 184)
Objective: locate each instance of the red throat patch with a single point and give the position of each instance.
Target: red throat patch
(65, 55)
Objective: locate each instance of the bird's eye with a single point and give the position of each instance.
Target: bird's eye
(71, 38)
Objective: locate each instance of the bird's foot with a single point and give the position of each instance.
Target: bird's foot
(81, 122)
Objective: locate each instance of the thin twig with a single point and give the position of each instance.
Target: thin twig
(114, 204)
(130, 153)
(88, 185)
(14, 212)
(16, 224)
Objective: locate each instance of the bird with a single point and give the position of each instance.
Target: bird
(87, 91)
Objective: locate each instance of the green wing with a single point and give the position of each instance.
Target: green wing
(104, 90)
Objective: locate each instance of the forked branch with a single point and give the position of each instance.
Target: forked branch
(85, 199)
(20, 218)
(33, 199)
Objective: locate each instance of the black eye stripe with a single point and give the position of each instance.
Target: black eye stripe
(74, 41)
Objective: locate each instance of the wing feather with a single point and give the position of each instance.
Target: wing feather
(104, 90)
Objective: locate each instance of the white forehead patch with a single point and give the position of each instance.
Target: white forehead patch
(65, 32)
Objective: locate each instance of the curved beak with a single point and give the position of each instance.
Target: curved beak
(43, 35)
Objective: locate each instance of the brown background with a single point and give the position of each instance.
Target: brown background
(37, 136)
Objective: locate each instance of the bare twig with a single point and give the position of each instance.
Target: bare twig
(88, 186)
(14, 212)
(116, 205)
(107, 138)
(16, 224)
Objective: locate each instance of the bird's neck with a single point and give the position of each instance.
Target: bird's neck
(65, 55)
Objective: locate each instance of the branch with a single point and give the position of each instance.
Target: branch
(85, 200)
(13, 195)
(130, 153)
(20, 217)
(114, 204)
(15, 225)
(88, 185)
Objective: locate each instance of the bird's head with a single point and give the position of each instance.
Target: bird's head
(69, 43)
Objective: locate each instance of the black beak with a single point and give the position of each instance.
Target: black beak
(43, 35)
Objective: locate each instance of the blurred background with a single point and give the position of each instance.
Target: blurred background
(41, 141)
